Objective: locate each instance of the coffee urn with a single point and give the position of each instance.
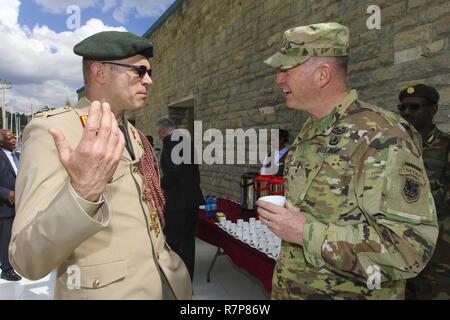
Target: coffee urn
(247, 192)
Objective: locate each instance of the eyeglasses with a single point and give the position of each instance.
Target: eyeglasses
(140, 70)
(411, 106)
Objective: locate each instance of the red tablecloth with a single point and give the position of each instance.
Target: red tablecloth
(246, 257)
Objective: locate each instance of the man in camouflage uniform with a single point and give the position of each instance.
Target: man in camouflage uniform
(360, 218)
(418, 105)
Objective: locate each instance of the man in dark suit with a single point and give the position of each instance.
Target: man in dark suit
(9, 163)
(181, 184)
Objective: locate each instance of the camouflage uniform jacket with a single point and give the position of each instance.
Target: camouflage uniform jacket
(434, 281)
(371, 220)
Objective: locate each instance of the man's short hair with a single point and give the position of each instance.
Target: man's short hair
(165, 123)
(342, 63)
(150, 139)
(86, 70)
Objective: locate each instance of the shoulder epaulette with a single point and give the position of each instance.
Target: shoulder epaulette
(49, 113)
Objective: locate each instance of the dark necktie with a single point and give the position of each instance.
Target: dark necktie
(16, 159)
(127, 141)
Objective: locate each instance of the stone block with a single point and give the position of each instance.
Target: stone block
(393, 13)
(443, 115)
(430, 13)
(442, 25)
(407, 55)
(413, 37)
(332, 11)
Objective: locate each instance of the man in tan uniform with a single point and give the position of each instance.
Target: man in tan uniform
(86, 205)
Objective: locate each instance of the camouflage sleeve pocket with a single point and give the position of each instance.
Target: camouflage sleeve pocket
(406, 190)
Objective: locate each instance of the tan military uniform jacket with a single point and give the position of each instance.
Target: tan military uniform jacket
(112, 247)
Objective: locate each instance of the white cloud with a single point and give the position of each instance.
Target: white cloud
(39, 62)
(10, 12)
(108, 5)
(27, 97)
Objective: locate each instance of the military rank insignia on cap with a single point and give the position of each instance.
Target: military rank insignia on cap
(422, 91)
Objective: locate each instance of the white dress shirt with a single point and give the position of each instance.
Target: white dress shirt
(11, 160)
(278, 154)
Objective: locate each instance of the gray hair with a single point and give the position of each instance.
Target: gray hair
(165, 123)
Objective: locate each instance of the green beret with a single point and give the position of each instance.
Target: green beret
(422, 91)
(113, 45)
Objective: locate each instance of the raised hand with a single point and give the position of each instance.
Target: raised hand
(93, 162)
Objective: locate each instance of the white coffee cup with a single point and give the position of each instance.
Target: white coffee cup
(233, 228)
(276, 200)
(239, 232)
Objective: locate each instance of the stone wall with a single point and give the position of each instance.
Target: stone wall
(213, 51)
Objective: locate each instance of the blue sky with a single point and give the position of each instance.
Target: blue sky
(32, 13)
(40, 34)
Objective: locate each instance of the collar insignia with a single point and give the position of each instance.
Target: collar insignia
(83, 120)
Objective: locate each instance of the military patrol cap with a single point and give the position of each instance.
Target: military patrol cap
(316, 40)
(113, 45)
(420, 90)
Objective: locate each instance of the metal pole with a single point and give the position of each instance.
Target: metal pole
(3, 109)
(12, 118)
(6, 85)
(18, 127)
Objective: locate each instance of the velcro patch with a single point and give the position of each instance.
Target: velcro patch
(412, 181)
(406, 192)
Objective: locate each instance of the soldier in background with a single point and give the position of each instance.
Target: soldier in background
(418, 105)
(360, 217)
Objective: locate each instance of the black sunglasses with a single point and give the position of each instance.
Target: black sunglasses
(411, 106)
(140, 70)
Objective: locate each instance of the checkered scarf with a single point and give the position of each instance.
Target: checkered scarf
(148, 167)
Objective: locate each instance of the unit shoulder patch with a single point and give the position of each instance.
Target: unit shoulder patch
(412, 181)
